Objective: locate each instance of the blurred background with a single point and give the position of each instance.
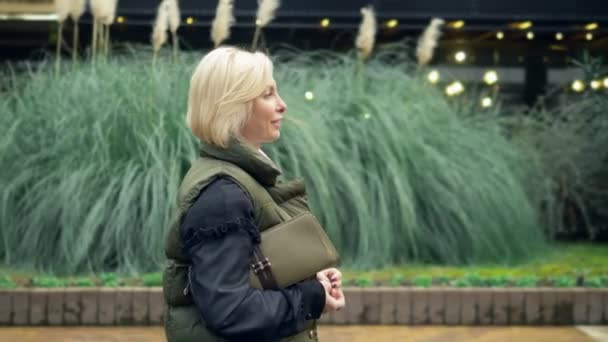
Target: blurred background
(470, 136)
(531, 44)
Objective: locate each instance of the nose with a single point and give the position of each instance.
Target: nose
(282, 106)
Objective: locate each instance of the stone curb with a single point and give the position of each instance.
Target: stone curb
(377, 305)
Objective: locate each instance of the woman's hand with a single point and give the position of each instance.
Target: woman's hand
(334, 298)
(331, 279)
(332, 275)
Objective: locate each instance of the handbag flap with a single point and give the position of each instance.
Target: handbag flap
(297, 249)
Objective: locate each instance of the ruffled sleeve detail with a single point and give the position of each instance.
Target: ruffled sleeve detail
(195, 235)
(220, 209)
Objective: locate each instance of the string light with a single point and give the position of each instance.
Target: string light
(524, 25)
(325, 22)
(367, 115)
(530, 35)
(500, 35)
(559, 36)
(591, 26)
(189, 20)
(309, 95)
(595, 84)
(486, 102)
(433, 76)
(454, 88)
(606, 82)
(120, 19)
(392, 23)
(490, 77)
(460, 56)
(578, 86)
(589, 36)
(458, 24)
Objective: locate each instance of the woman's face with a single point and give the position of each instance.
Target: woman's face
(264, 124)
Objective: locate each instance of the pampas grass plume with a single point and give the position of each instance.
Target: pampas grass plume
(97, 8)
(367, 32)
(108, 11)
(77, 9)
(220, 28)
(428, 41)
(62, 9)
(161, 24)
(173, 15)
(266, 10)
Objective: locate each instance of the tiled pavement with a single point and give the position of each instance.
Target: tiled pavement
(327, 333)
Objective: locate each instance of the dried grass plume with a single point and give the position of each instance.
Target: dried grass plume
(62, 9)
(77, 8)
(97, 8)
(428, 41)
(174, 15)
(367, 32)
(108, 11)
(161, 24)
(266, 11)
(220, 28)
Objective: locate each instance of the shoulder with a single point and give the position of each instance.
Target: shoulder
(224, 194)
(221, 207)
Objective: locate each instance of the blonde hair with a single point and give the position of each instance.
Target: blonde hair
(222, 90)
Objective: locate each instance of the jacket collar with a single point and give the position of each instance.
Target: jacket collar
(245, 157)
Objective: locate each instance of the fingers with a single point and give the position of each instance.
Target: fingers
(337, 293)
(336, 304)
(332, 272)
(335, 300)
(333, 275)
(326, 285)
(322, 276)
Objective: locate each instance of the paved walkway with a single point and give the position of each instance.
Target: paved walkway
(326, 334)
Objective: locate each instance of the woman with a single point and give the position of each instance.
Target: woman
(229, 195)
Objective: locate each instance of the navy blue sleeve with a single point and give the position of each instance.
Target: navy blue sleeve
(219, 233)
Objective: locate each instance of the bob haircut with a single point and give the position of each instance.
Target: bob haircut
(222, 90)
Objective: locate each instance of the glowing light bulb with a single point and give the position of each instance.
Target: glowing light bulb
(530, 35)
(486, 102)
(490, 77)
(460, 56)
(392, 23)
(454, 88)
(433, 76)
(578, 86)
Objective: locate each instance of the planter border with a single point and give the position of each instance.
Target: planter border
(376, 305)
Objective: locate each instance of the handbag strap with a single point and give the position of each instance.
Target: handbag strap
(263, 269)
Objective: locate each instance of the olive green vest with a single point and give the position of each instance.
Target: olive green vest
(273, 202)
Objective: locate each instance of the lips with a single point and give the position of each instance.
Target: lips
(276, 123)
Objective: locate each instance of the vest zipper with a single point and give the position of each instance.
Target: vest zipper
(188, 287)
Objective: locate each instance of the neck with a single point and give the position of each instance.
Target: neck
(257, 146)
(246, 156)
